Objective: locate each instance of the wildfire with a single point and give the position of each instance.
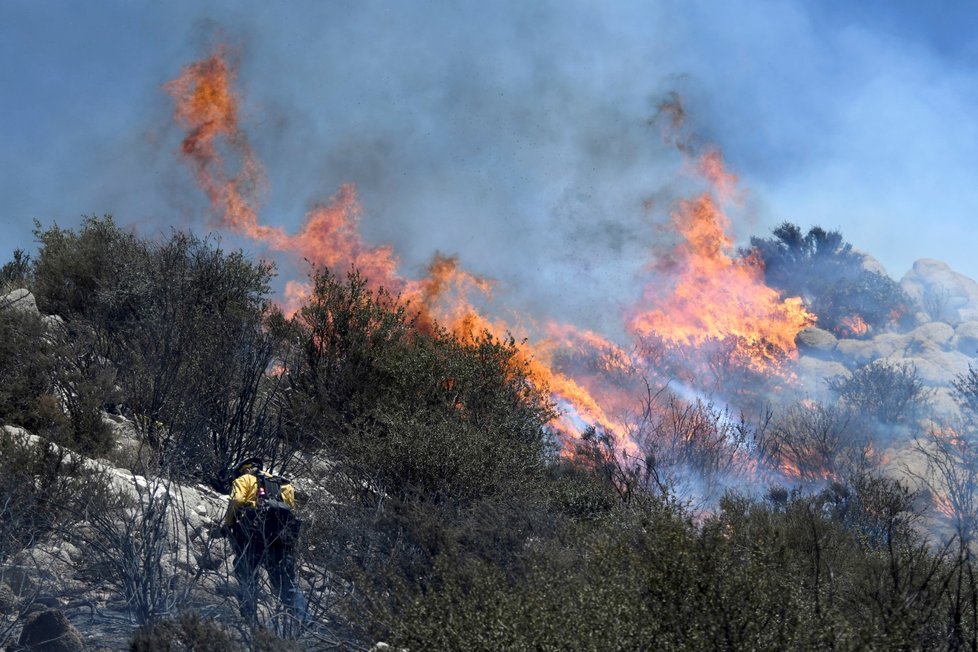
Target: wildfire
(708, 294)
(854, 326)
(716, 295)
(207, 108)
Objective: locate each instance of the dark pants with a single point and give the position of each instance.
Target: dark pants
(276, 554)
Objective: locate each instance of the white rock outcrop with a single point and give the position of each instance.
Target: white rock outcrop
(816, 339)
(942, 293)
(20, 299)
(965, 338)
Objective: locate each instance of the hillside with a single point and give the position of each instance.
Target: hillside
(734, 494)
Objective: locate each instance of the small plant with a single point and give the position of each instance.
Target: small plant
(139, 542)
(890, 392)
(187, 632)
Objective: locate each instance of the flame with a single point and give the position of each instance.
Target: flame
(713, 295)
(711, 167)
(207, 108)
(853, 326)
(716, 295)
(703, 293)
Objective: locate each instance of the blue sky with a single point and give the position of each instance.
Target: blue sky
(514, 134)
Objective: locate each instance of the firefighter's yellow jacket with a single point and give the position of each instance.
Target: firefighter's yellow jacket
(244, 493)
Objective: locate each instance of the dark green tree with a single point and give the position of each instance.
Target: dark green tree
(822, 269)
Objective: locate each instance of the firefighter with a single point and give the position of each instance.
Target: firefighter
(264, 533)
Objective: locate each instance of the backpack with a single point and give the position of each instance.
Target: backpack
(273, 518)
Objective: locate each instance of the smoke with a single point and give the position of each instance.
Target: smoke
(523, 140)
(703, 312)
(520, 152)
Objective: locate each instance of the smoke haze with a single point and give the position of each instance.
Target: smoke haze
(515, 136)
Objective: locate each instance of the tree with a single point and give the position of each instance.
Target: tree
(186, 330)
(821, 268)
(17, 272)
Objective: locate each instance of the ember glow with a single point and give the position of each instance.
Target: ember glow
(855, 326)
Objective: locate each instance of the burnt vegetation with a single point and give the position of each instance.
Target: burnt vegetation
(439, 511)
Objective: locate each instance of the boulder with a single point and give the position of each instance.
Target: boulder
(20, 300)
(936, 333)
(48, 630)
(813, 373)
(816, 339)
(857, 352)
(936, 368)
(8, 599)
(887, 344)
(965, 338)
(943, 293)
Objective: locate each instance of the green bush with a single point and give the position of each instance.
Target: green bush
(761, 576)
(889, 392)
(87, 274)
(51, 384)
(185, 329)
(27, 366)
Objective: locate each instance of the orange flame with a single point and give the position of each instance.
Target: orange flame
(207, 108)
(715, 295)
(854, 325)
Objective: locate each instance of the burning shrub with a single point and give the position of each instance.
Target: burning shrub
(691, 450)
(415, 411)
(812, 442)
(951, 476)
(440, 444)
(341, 335)
(602, 474)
